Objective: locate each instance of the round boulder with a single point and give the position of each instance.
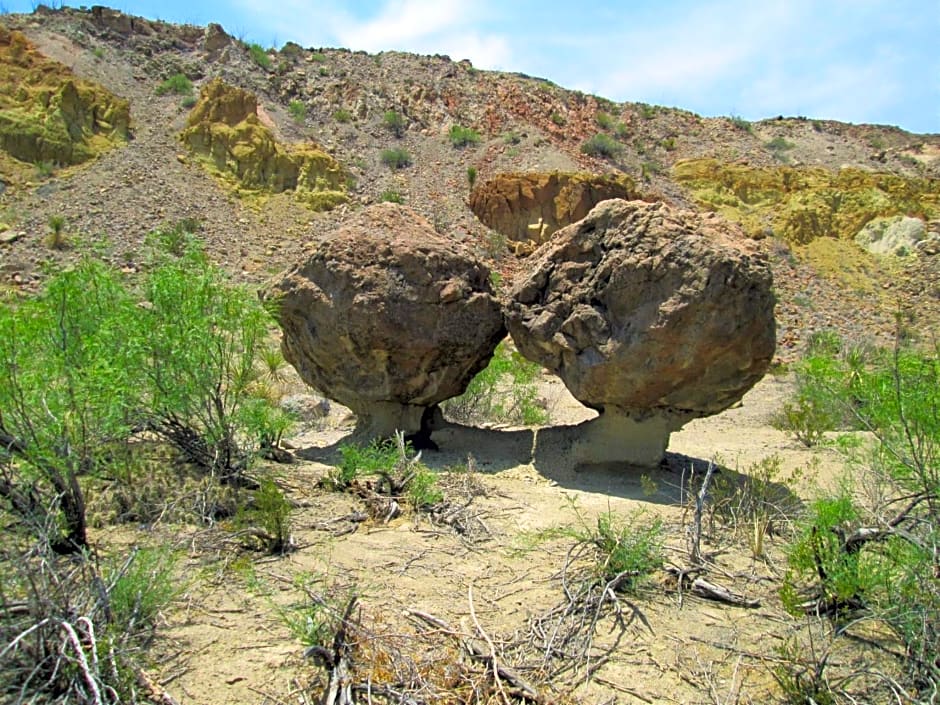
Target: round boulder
(388, 318)
(650, 315)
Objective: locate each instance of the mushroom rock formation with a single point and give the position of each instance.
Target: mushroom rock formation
(650, 315)
(388, 318)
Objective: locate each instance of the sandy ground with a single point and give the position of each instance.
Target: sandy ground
(228, 641)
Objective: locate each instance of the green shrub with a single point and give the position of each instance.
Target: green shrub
(647, 112)
(394, 122)
(471, 175)
(342, 115)
(740, 123)
(462, 136)
(318, 57)
(177, 83)
(142, 586)
(602, 145)
(878, 559)
(558, 119)
(297, 109)
(188, 102)
(396, 158)
(259, 55)
(669, 144)
(505, 391)
(779, 144)
(391, 196)
(605, 121)
(626, 549)
(270, 510)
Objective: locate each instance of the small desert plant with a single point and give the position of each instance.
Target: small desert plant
(98, 53)
(669, 144)
(605, 121)
(317, 57)
(188, 102)
(394, 122)
(259, 55)
(505, 392)
(270, 511)
(647, 112)
(141, 587)
(757, 502)
(558, 119)
(423, 490)
(342, 115)
(56, 238)
(461, 136)
(601, 145)
(396, 158)
(297, 109)
(631, 547)
(471, 175)
(391, 196)
(358, 461)
(740, 123)
(178, 84)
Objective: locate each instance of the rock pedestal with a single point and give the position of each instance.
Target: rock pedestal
(650, 315)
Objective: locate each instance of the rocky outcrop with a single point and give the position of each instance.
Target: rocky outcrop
(800, 204)
(650, 315)
(388, 318)
(49, 115)
(225, 130)
(533, 206)
(898, 236)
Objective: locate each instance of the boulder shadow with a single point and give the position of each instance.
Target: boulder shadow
(673, 481)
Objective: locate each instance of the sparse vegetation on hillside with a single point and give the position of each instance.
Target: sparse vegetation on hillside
(461, 136)
(394, 122)
(396, 158)
(602, 145)
(178, 83)
(259, 55)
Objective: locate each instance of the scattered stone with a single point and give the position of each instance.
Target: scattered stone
(650, 315)
(388, 318)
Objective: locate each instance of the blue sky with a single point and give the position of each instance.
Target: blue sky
(857, 61)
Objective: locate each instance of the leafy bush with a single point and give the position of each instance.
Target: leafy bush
(177, 83)
(558, 119)
(740, 123)
(462, 136)
(88, 363)
(626, 549)
(394, 122)
(297, 109)
(879, 558)
(259, 55)
(602, 145)
(396, 158)
(504, 392)
(342, 115)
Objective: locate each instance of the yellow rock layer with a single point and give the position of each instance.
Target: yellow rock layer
(224, 130)
(801, 204)
(47, 114)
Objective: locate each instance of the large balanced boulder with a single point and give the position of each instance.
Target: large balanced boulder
(388, 318)
(650, 315)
